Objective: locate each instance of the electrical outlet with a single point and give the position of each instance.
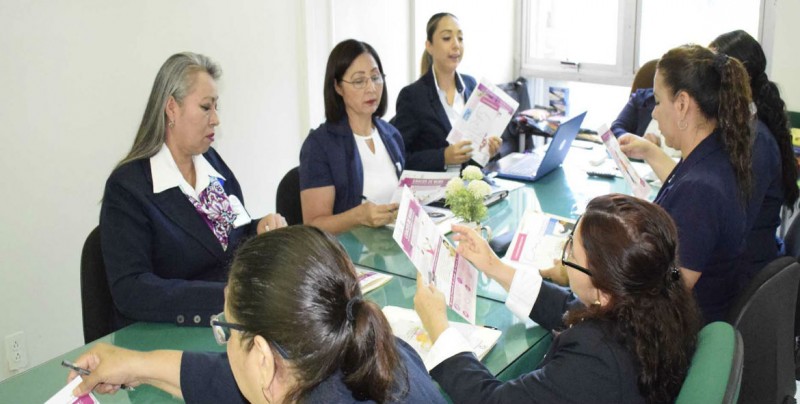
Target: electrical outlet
(16, 353)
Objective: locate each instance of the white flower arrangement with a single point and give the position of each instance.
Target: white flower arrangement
(467, 202)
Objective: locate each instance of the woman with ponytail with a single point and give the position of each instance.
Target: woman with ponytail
(631, 324)
(297, 329)
(703, 108)
(774, 165)
(428, 108)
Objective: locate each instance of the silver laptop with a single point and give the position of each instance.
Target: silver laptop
(533, 166)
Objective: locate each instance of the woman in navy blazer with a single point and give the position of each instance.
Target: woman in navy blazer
(427, 108)
(336, 192)
(172, 211)
(296, 329)
(632, 324)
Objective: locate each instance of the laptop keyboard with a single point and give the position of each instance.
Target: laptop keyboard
(528, 166)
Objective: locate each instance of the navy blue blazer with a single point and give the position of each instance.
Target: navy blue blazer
(329, 156)
(636, 114)
(163, 262)
(207, 378)
(586, 363)
(422, 121)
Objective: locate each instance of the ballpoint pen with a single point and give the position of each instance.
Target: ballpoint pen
(86, 372)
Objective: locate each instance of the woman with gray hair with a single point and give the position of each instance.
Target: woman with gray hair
(173, 212)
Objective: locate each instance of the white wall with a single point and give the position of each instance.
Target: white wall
(490, 36)
(785, 63)
(75, 80)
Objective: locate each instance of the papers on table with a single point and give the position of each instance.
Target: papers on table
(425, 186)
(370, 280)
(64, 396)
(539, 240)
(407, 326)
(640, 187)
(435, 257)
(486, 113)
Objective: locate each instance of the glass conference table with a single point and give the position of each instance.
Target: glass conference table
(521, 347)
(564, 192)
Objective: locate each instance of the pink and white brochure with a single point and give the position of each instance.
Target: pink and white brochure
(640, 187)
(435, 257)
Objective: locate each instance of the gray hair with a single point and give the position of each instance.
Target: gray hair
(175, 78)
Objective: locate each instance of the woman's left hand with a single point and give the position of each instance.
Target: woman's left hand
(432, 310)
(494, 145)
(269, 222)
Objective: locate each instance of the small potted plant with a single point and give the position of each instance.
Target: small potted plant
(464, 196)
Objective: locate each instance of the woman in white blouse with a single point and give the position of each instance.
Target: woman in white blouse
(350, 165)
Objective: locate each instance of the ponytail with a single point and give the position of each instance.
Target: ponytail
(720, 86)
(371, 363)
(297, 287)
(772, 111)
(735, 120)
(771, 108)
(425, 63)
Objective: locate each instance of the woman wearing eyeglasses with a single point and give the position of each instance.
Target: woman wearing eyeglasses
(297, 330)
(350, 165)
(428, 108)
(628, 337)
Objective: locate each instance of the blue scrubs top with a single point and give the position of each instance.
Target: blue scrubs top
(764, 208)
(702, 196)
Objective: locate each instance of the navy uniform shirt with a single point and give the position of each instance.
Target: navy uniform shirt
(702, 196)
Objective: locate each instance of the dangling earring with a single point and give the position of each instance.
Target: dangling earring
(597, 301)
(682, 125)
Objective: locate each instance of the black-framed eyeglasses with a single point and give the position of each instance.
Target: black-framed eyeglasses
(222, 332)
(359, 83)
(568, 251)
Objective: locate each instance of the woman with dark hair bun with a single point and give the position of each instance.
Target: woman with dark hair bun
(774, 164)
(703, 108)
(297, 329)
(631, 324)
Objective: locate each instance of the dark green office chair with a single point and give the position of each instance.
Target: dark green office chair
(716, 371)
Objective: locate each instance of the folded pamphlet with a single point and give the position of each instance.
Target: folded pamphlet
(407, 326)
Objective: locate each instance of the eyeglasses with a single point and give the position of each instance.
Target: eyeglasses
(568, 251)
(360, 83)
(222, 332)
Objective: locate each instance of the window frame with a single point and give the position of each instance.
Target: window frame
(628, 43)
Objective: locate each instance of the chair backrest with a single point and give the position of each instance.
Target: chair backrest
(791, 239)
(287, 199)
(96, 302)
(765, 313)
(716, 371)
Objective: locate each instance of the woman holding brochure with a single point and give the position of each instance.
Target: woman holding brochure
(173, 212)
(428, 108)
(350, 165)
(277, 350)
(703, 109)
(631, 324)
